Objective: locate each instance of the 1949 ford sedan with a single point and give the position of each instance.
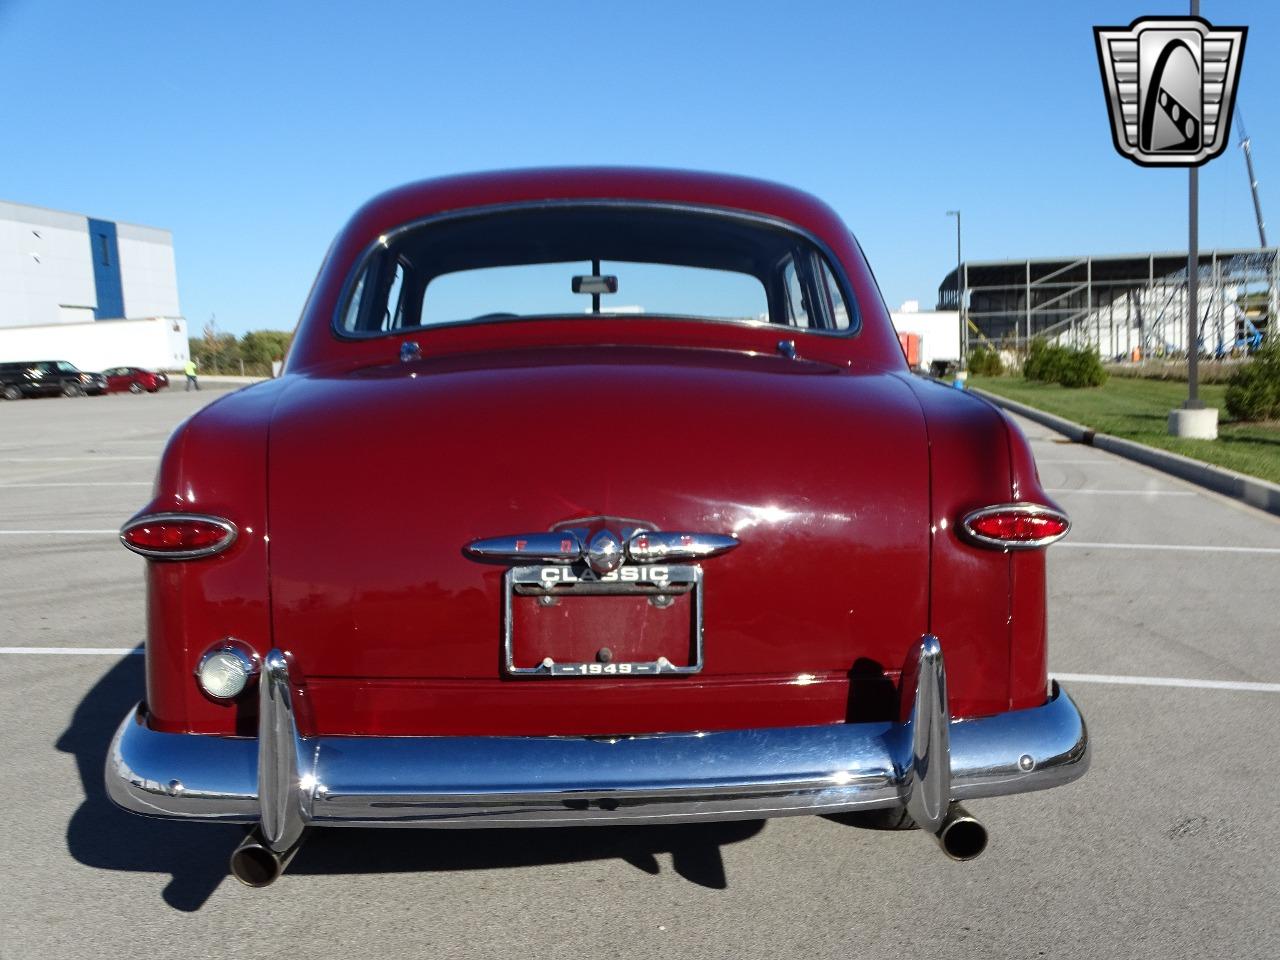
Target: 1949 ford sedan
(593, 496)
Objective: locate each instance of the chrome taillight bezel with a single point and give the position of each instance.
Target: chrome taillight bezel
(160, 518)
(970, 535)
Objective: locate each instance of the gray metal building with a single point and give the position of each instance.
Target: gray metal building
(1120, 305)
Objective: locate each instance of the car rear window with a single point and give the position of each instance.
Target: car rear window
(605, 260)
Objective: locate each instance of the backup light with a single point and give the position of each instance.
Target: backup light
(178, 536)
(1014, 526)
(226, 669)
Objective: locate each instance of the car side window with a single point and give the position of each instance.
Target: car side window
(352, 319)
(797, 302)
(836, 306)
(393, 315)
(64, 367)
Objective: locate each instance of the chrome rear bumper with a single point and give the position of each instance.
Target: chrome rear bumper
(292, 781)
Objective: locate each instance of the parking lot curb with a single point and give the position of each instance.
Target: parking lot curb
(1257, 493)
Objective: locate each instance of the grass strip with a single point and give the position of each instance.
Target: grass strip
(1139, 410)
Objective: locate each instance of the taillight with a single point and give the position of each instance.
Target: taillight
(1014, 526)
(178, 536)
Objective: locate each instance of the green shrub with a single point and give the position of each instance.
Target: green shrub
(1055, 364)
(1044, 362)
(1081, 368)
(1253, 392)
(985, 362)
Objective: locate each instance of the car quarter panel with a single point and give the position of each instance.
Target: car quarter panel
(214, 464)
(987, 606)
(1029, 641)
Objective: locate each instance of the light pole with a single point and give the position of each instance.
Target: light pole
(1193, 278)
(1193, 419)
(960, 292)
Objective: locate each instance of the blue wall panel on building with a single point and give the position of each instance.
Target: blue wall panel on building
(105, 250)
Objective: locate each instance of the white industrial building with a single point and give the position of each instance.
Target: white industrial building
(93, 292)
(938, 330)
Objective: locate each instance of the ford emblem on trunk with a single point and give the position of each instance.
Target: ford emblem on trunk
(602, 550)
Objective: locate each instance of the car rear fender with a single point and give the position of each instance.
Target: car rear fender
(215, 464)
(987, 606)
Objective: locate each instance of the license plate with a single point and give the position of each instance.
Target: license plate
(534, 596)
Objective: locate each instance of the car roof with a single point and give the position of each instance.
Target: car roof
(424, 198)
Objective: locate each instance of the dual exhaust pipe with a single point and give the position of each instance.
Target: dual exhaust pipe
(255, 864)
(961, 836)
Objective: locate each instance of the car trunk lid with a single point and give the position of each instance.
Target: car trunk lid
(380, 478)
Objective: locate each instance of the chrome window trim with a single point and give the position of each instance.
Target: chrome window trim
(217, 548)
(384, 241)
(1036, 509)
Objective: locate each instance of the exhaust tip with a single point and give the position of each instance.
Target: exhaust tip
(962, 837)
(255, 865)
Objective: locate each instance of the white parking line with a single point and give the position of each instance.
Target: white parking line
(35, 533)
(1123, 493)
(1169, 682)
(87, 483)
(76, 651)
(1189, 547)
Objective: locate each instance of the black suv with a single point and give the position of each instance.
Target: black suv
(47, 378)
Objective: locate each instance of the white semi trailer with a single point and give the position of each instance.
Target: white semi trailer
(157, 343)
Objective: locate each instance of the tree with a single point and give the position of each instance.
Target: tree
(261, 347)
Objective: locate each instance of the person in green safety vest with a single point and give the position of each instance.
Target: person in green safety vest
(191, 375)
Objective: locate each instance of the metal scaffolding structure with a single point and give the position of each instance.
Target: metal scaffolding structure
(1120, 304)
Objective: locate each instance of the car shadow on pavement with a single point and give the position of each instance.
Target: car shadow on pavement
(694, 849)
(102, 836)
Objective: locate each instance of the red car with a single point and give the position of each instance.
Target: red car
(593, 496)
(135, 380)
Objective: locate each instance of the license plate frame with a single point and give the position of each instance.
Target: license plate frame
(562, 580)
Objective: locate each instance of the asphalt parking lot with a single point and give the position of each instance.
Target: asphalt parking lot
(1168, 848)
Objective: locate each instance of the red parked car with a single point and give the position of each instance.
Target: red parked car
(134, 380)
(593, 496)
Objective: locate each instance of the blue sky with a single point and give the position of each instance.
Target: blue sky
(252, 130)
